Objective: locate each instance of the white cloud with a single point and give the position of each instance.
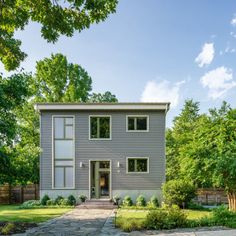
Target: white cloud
(233, 21)
(162, 92)
(206, 56)
(218, 81)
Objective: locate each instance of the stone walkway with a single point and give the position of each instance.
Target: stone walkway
(99, 222)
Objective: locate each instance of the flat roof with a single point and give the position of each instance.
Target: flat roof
(104, 106)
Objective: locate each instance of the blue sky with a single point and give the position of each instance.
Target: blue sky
(155, 50)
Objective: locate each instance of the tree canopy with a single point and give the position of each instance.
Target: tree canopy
(55, 16)
(205, 152)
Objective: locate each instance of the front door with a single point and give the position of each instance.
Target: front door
(100, 179)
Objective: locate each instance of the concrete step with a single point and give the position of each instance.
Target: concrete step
(97, 204)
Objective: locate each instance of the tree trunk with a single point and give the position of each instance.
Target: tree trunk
(232, 201)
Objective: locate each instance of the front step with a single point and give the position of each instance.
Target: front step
(97, 204)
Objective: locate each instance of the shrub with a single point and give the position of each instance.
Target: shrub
(82, 198)
(116, 199)
(71, 200)
(223, 216)
(7, 228)
(58, 199)
(166, 218)
(45, 199)
(30, 204)
(153, 202)
(179, 192)
(131, 225)
(140, 201)
(50, 202)
(127, 201)
(63, 202)
(194, 206)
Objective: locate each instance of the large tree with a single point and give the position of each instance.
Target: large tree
(56, 17)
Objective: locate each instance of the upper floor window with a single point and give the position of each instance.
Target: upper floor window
(137, 165)
(100, 127)
(137, 123)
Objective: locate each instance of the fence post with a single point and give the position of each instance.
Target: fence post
(9, 193)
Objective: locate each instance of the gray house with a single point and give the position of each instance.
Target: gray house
(101, 150)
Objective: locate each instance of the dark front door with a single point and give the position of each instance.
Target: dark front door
(104, 183)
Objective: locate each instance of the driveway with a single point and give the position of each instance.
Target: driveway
(88, 222)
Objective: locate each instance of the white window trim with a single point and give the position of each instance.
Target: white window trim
(135, 131)
(53, 160)
(127, 169)
(102, 139)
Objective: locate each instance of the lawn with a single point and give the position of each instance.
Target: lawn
(12, 213)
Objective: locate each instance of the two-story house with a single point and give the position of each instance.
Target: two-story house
(100, 150)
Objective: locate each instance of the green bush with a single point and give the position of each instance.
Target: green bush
(63, 202)
(30, 204)
(82, 198)
(127, 201)
(179, 192)
(58, 199)
(45, 199)
(71, 200)
(7, 229)
(140, 201)
(153, 203)
(131, 225)
(194, 206)
(166, 218)
(223, 216)
(50, 202)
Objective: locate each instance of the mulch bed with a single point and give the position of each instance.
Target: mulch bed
(19, 227)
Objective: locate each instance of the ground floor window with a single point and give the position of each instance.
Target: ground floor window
(137, 165)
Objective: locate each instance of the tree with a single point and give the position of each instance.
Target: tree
(179, 136)
(13, 94)
(106, 97)
(57, 80)
(56, 18)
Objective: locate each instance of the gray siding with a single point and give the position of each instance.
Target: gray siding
(123, 144)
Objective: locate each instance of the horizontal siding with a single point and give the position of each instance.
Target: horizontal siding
(123, 144)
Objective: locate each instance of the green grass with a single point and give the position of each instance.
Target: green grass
(130, 219)
(12, 213)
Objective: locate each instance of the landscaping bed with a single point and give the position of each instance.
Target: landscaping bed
(8, 228)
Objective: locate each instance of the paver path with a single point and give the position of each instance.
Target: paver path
(99, 222)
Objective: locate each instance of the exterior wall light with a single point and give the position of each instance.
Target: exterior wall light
(81, 164)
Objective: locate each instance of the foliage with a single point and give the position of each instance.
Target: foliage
(50, 202)
(194, 206)
(127, 201)
(153, 203)
(58, 199)
(44, 200)
(131, 225)
(82, 197)
(7, 229)
(166, 218)
(56, 18)
(30, 204)
(178, 192)
(106, 97)
(71, 200)
(57, 80)
(140, 201)
(116, 199)
(63, 202)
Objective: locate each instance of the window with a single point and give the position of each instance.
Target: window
(137, 165)
(137, 123)
(64, 152)
(100, 127)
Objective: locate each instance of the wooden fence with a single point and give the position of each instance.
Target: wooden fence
(18, 194)
(211, 196)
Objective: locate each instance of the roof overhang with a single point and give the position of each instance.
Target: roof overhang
(102, 106)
